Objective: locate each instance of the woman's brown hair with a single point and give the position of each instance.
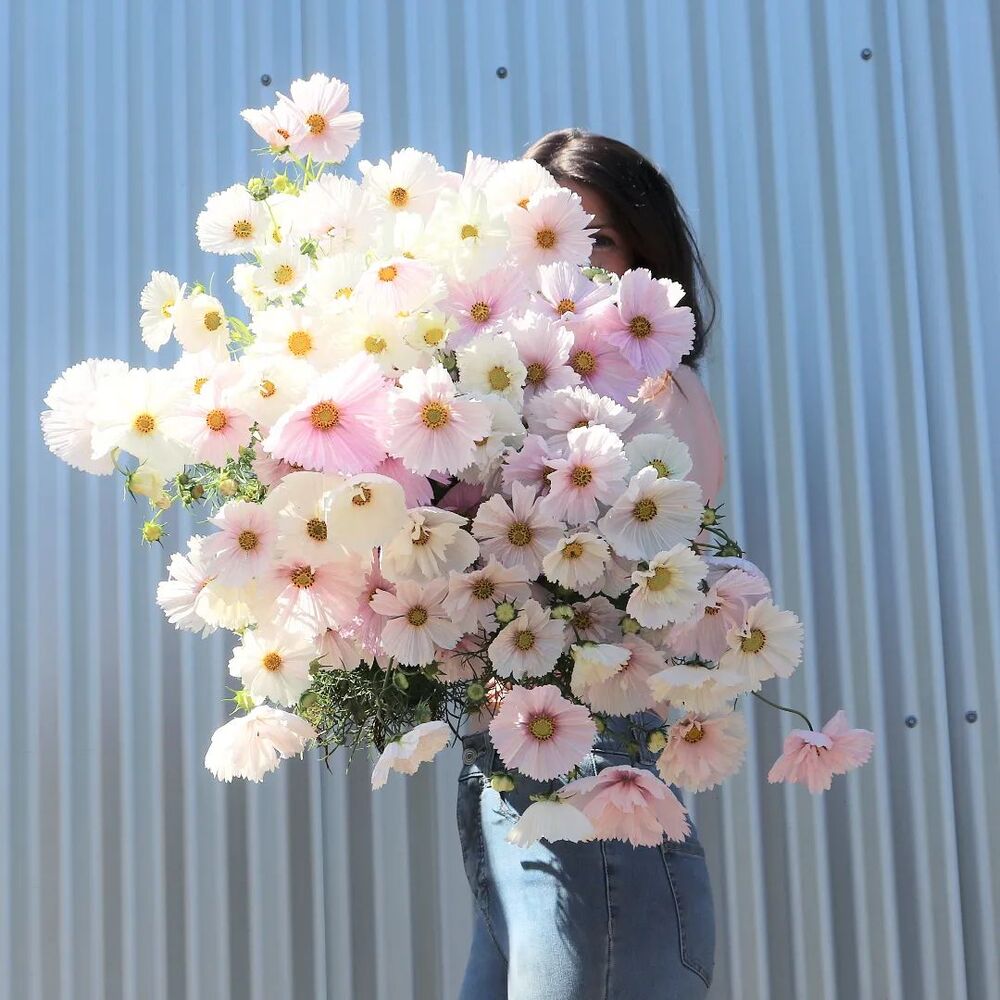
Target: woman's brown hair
(645, 211)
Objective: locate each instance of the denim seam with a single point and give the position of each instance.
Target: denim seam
(481, 880)
(689, 963)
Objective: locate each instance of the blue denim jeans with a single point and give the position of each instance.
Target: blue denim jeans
(601, 920)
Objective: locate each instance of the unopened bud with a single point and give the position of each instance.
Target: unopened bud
(656, 740)
(501, 783)
(244, 700)
(259, 188)
(400, 680)
(282, 184)
(506, 612)
(475, 691)
(708, 517)
(162, 500)
(152, 532)
(630, 626)
(227, 487)
(197, 491)
(563, 612)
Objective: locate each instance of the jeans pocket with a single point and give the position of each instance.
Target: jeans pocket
(470, 831)
(687, 872)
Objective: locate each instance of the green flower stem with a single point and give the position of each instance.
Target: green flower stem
(783, 708)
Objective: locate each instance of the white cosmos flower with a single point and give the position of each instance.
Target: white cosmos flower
(513, 184)
(492, 366)
(367, 511)
(653, 514)
(506, 430)
(270, 386)
(430, 330)
(409, 182)
(431, 544)
(302, 505)
(666, 453)
(530, 645)
(393, 285)
(254, 744)
(697, 689)
(67, 426)
(328, 130)
(232, 608)
(338, 214)
(594, 662)
(332, 283)
(550, 820)
(465, 235)
(577, 559)
(668, 590)
(132, 412)
(178, 595)
(412, 749)
(244, 544)
(417, 623)
(551, 227)
(282, 271)
(244, 280)
(232, 222)
(384, 339)
(200, 324)
(157, 300)
(768, 644)
(294, 332)
(273, 664)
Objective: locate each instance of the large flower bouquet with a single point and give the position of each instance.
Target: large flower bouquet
(438, 487)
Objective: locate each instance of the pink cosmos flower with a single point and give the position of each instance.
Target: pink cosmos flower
(700, 753)
(311, 599)
(335, 651)
(473, 596)
(528, 466)
(649, 329)
(329, 129)
(627, 690)
(365, 627)
(430, 427)
(630, 804)
(812, 759)
(254, 744)
(416, 489)
(592, 472)
(484, 303)
(530, 645)
(520, 534)
(337, 427)
(416, 621)
(277, 126)
(178, 595)
(540, 732)
(594, 620)
(544, 348)
(214, 429)
(601, 366)
(463, 663)
(397, 284)
(554, 414)
(568, 294)
(245, 543)
(551, 227)
(270, 471)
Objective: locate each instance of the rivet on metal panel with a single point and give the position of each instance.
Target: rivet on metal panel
(971, 715)
(469, 754)
(866, 54)
(502, 72)
(910, 721)
(266, 79)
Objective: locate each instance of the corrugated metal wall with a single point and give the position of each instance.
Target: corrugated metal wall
(849, 208)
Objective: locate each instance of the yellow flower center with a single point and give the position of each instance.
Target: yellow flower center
(519, 534)
(545, 238)
(661, 579)
(423, 537)
(483, 589)
(754, 642)
(583, 362)
(316, 529)
(388, 273)
(644, 509)
(248, 540)
(243, 229)
(271, 661)
(536, 373)
(695, 734)
(212, 320)
(343, 293)
(303, 577)
(523, 203)
(582, 620)
(661, 467)
(199, 384)
(144, 423)
(524, 640)
(480, 312)
(564, 306)
(640, 327)
(267, 388)
(165, 309)
(216, 420)
(499, 378)
(573, 550)
(435, 414)
(375, 344)
(712, 609)
(324, 416)
(433, 336)
(542, 727)
(398, 197)
(283, 274)
(469, 232)
(362, 498)
(300, 342)
(417, 616)
(316, 123)
(581, 476)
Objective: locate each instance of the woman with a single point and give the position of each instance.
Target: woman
(602, 920)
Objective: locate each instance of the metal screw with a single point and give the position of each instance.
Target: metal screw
(866, 54)
(266, 79)
(910, 721)
(502, 72)
(971, 715)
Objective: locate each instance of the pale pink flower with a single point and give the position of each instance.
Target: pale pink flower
(244, 544)
(551, 227)
(541, 733)
(396, 285)
(327, 130)
(630, 804)
(554, 414)
(483, 304)
(254, 744)
(365, 627)
(416, 621)
(528, 466)
(311, 599)
(667, 590)
(812, 759)
(576, 561)
(627, 689)
(188, 575)
(650, 330)
(702, 752)
(600, 365)
(519, 534)
(410, 182)
(595, 620)
(544, 347)
(431, 544)
(768, 643)
(271, 471)
(273, 664)
(569, 295)
(463, 663)
(697, 689)
(337, 427)
(409, 751)
(211, 426)
(336, 651)
(592, 472)
(277, 126)
(416, 489)
(430, 427)
(550, 820)
(473, 596)
(530, 645)
(596, 662)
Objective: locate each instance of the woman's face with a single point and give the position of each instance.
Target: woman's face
(609, 250)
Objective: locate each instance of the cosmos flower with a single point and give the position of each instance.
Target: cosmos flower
(157, 300)
(273, 664)
(406, 754)
(244, 544)
(702, 752)
(592, 472)
(767, 644)
(254, 744)
(530, 645)
(519, 533)
(232, 222)
(416, 621)
(812, 759)
(552, 226)
(327, 130)
(667, 591)
(409, 182)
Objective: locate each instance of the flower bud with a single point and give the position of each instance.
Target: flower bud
(563, 612)
(708, 517)
(259, 188)
(400, 680)
(152, 532)
(656, 740)
(630, 626)
(227, 487)
(475, 691)
(162, 500)
(501, 783)
(244, 700)
(506, 612)
(145, 482)
(730, 549)
(282, 184)
(197, 491)
(600, 724)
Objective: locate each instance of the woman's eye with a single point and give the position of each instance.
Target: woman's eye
(603, 242)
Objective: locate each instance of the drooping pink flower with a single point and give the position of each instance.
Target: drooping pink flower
(812, 759)
(601, 364)
(592, 472)
(328, 129)
(365, 627)
(630, 804)
(277, 126)
(702, 752)
(430, 427)
(337, 427)
(270, 471)
(540, 732)
(253, 745)
(417, 489)
(412, 749)
(649, 328)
